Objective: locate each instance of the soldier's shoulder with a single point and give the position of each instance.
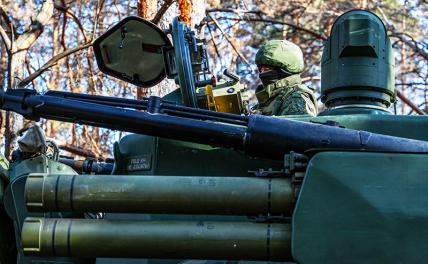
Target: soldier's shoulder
(302, 88)
(298, 103)
(304, 92)
(296, 98)
(296, 94)
(293, 105)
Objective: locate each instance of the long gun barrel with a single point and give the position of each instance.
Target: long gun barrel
(159, 194)
(261, 136)
(150, 239)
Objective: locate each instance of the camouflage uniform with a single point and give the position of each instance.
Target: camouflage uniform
(287, 96)
(283, 93)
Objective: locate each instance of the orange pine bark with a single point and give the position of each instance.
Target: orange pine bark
(185, 7)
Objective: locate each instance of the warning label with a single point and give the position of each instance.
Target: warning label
(140, 163)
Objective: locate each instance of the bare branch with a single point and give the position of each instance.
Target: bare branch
(6, 40)
(97, 11)
(28, 66)
(117, 10)
(162, 11)
(272, 21)
(69, 13)
(411, 84)
(261, 17)
(407, 101)
(64, 27)
(409, 42)
(235, 11)
(7, 22)
(6, 19)
(77, 150)
(27, 39)
(213, 40)
(228, 39)
(9, 66)
(405, 38)
(52, 62)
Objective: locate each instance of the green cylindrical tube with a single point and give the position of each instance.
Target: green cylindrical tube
(159, 194)
(147, 239)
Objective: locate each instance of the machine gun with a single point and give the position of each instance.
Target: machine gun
(260, 136)
(139, 52)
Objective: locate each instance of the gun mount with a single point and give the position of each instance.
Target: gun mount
(139, 52)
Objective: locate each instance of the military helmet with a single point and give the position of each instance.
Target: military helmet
(281, 54)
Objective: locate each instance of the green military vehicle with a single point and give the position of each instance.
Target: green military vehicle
(202, 180)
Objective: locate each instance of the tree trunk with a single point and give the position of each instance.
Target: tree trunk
(18, 52)
(147, 10)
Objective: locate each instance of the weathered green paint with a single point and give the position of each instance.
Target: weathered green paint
(182, 158)
(355, 110)
(173, 157)
(159, 194)
(14, 195)
(357, 207)
(414, 127)
(14, 203)
(139, 51)
(128, 148)
(357, 65)
(196, 240)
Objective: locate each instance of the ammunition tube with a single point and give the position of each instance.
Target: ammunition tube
(159, 194)
(147, 239)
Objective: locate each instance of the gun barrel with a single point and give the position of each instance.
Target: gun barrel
(151, 239)
(159, 194)
(88, 166)
(136, 121)
(260, 136)
(273, 137)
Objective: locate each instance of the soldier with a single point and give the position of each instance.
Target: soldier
(280, 63)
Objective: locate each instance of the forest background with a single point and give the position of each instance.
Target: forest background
(46, 45)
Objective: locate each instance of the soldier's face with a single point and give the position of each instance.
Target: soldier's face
(263, 68)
